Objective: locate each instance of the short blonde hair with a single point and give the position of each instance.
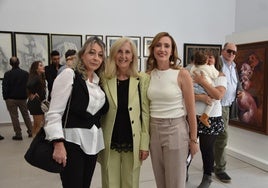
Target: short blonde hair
(110, 66)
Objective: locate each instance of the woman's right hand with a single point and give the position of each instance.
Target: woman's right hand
(59, 153)
(32, 96)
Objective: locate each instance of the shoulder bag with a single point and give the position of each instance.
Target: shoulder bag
(39, 153)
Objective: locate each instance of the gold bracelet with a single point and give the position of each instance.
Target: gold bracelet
(194, 141)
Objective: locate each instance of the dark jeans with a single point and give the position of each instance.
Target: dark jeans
(79, 168)
(206, 148)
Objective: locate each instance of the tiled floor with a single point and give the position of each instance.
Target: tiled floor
(16, 173)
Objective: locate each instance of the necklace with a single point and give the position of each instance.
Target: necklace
(121, 79)
(158, 74)
(121, 82)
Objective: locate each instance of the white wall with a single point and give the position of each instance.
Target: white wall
(188, 21)
(251, 15)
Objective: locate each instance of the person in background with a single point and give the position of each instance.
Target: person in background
(126, 125)
(15, 96)
(171, 98)
(36, 87)
(233, 90)
(51, 70)
(76, 146)
(70, 58)
(208, 135)
(190, 64)
(211, 73)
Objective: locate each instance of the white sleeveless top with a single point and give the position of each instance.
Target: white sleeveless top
(166, 100)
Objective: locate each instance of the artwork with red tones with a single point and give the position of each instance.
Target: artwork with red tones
(251, 61)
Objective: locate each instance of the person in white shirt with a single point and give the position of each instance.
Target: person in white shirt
(77, 145)
(208, 135)
(233, 91)
(210, 73)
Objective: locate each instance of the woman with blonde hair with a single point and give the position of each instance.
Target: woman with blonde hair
(76, 146)
(126, 125)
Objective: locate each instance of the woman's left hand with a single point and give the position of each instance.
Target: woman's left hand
(143, 154)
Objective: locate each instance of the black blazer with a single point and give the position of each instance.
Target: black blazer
(14, 84)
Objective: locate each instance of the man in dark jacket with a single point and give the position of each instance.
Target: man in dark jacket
(15, 96)
(51, 71)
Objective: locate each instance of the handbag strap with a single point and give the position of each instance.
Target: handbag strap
(68, 108)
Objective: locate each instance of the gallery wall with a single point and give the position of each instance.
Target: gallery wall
(187, 21)
(251, 15)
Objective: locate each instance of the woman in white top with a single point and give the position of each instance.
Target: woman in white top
(171, 98)
(77, 145)
(210, 73)
(208, 135)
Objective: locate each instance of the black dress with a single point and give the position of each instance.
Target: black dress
(34, 86)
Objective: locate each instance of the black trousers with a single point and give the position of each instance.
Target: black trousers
(207, 152)
(79, 168)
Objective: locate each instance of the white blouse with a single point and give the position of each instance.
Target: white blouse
(217, 108)
(90, 140)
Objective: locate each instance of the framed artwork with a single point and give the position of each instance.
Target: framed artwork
(137, 42)
(146, 43)
(99, 36)
(6, 51)
(139, 64)
(251, 62)
(143, 64)
(190, 49)
(62, 43)
(109, 41)
(30, 47)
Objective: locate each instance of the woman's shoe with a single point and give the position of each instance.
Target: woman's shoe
(206, 181)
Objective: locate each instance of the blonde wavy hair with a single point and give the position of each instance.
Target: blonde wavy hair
(111, 69)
